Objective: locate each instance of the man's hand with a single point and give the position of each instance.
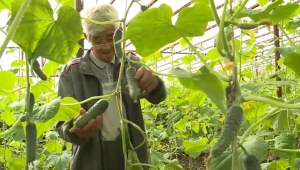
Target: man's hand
(146, 79)
(91, 129)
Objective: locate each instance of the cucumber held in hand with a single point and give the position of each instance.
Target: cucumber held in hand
(36, 68)
(97, 109)
(118, 47)
(31, 134)
(132, 84)
(250, 162)
(231, 126)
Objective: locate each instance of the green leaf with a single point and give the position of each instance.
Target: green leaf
(195, 146)
(174, 165)
(146, 24)
(255, 113)
(18, 133)
(42, 87)
(8, 80)
(282, 164)
(6, 5)
(284, 141)
(259, 14)
(67, 2)
(262, 2)
(18, 63)
(292, 61)
(53, 146)
(284, 51)
(257, 86)
(254, 146)
(56, 40)
(50, 68)
(183, 43)
(43, 127)
(190, 24)
(297, 163)
(212, 54)
(180, 125)
(283, 11)
(45, 112)
(17, 163)
(61, 162)
(8, 117)
(209, 83)
(66, 112)
(280, 121)
(188, 59)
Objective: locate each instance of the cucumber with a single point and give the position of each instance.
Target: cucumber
(32, 100)
(31, 135)
(132, 84)
(247, 26)
(97, 109)
(250, 162)
(144, 8)
(227, 94)
(232, 124)
(118, 47)
(38, 71)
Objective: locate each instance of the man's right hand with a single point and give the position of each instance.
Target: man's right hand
(91, 129)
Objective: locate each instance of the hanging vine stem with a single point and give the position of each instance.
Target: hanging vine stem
(140, 130)
(89, 99)
(272, 102)
(271, 113)
(13, 126)
(287, 36)
(238, 10)
(4, 91)
(14, 25)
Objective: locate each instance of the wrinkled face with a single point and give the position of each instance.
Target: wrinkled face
(102, 44)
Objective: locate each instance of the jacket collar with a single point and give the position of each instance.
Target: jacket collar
(85, 63)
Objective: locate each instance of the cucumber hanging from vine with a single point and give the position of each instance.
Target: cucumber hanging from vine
(38, 71)
(250, 162)
(31, 135)
(97, 109)
(133, 86)
(231, 126)
(118, 47)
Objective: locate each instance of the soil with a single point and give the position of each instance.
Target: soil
(196, 164)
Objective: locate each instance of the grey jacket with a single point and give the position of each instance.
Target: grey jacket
(77, 80)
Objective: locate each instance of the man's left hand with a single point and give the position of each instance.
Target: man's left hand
(146, 79)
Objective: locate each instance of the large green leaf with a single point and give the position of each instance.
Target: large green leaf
(209, 83)
(46, 112)
(284, 11)
(195, 146)
(284, 141)
(9, 118)
(292, 61)
(8, 80)
(173, 165)
(42, 87)
(254, 146)
(61, 161)
(56, 40)
(261, 13)
(257, 86)
(65, 112)
(262, 2)
(67, 2)
(5, 4)
(53, 146)
(188, 59)
(192, 21)
(146, 24)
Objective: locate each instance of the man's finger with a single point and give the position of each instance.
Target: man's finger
(139, 74)
(100, 122)
(144, 81)
(96, 124)
(88, 126)
(82, 111)
(150, 88)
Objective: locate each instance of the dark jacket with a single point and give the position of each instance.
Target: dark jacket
(77, 80)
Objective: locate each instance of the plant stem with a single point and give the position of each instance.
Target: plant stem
(1, 29)
(4, 91)
(56, 6)
(221, 36)
(213, 8)
(100, 23)
(267, 115)
(14, 25)
(13, 127)
(272, 102)
(287, 36)
(154, 72)
(140, 130)
(238, 10)
(142, 164)
(220, 76)
(244, 149)
(285, 150)
(87, 100)
(28, 88)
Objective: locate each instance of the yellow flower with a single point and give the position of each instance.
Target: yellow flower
(247, 104)
(23, 70)
(228, 66)
(252, 35)
(223, 118)
(253, 56)
(157, 52)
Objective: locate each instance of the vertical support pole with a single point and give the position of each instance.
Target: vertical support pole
(277, 57)
(79, 7)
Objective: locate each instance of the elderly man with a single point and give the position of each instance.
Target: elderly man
(94, 74)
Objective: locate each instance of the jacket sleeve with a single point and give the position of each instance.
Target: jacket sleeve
(159, 94)
(66, 89)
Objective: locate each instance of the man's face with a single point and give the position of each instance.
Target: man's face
(102, 44)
